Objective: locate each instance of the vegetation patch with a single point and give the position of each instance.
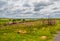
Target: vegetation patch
(28, 30)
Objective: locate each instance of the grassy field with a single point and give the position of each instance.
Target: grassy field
(28, 30)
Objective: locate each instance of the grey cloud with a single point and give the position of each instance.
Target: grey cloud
(8, 12)
(2, 3)
(26, 5)
(54, 8)
(56, 12)
(28, 13)
(57, 15)
(39, 6)
(15, 0)
(55, 0)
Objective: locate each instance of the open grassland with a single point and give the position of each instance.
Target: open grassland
(28, 30)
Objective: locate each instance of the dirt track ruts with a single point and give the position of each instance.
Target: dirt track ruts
(57, 37)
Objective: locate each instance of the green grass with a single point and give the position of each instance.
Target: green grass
(9, 32)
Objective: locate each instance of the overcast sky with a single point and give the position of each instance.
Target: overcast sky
(29, 8)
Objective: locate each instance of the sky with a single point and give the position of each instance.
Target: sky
(29, 8)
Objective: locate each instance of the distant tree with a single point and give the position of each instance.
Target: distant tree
(18, 19)
(9, 19)
(14, 21)
(23, 20)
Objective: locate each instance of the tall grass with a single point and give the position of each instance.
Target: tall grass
(34, 30)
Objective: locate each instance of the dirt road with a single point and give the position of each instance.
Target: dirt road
(57, 37)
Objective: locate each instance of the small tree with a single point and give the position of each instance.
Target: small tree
(23, 20)
(14, 21)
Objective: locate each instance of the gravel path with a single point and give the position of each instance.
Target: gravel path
(57, 37)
